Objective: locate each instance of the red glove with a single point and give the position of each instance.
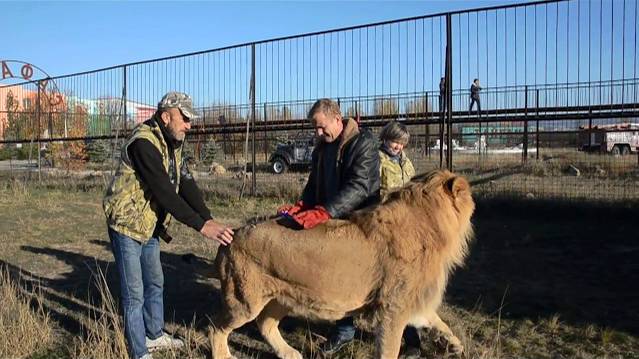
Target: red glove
(291, 209)
(312, 217)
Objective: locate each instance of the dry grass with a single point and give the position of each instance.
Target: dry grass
(103, 333)
(25, 326)
(103, 337)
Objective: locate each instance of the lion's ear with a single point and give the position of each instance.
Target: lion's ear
(456, 186)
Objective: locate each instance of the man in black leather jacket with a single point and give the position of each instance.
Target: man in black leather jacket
(344, 177)
(344, 171)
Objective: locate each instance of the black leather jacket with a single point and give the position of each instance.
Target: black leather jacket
(356, 181)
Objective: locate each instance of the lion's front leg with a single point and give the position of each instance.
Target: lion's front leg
(389, 336)
(268, 322)
(219, 343)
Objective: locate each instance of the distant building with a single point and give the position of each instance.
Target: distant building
(504, 133)
(19, 104)
(102, 112)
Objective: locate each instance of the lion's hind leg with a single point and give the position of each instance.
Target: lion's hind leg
(268, 322)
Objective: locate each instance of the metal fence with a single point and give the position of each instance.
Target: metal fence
(546, 69)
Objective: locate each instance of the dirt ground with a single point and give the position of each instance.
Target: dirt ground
(543, 280)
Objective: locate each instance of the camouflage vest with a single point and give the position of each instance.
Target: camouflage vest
(128, 203)
(392, 174)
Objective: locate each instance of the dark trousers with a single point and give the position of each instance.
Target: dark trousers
(472, 102)
(411, 337)
(345, 328)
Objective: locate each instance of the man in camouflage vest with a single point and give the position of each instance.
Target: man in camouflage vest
(151, 185)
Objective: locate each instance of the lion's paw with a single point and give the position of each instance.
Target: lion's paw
(225, 357)
(289, 354)
(455, 346)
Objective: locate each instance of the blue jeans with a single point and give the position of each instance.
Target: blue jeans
(345, 329)
(141, 289)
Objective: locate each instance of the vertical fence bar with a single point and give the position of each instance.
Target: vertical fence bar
(525, 142)
(426, 126)
(252, 96)
(537, 125)
(124, 99)
(449, 92)
(479, 141)
(266, 143)
(39, 83)
(590, 130)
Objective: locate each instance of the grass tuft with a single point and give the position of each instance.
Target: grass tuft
(26, 328)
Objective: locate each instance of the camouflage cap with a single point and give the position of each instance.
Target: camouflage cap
(179, 100)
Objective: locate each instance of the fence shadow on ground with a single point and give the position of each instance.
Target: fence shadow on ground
(580, 261)
(191, 299)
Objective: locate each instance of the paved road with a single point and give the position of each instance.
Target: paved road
(18, 165)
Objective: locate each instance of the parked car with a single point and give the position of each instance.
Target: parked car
(295, 152)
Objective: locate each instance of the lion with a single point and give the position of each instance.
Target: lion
(388, 263)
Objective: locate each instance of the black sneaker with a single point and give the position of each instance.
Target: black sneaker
(411, 353)
(334, 344)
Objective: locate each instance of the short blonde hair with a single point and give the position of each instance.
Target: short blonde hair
(326, 106)
(395, 132)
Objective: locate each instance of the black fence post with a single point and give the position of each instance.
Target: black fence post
(537, 125)
(38, 111)
(442, 122)
(126, 128)
(426, 127)
(266, 142)
(525, 142)
(589, 129)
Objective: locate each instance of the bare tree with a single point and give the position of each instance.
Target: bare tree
(385, 107)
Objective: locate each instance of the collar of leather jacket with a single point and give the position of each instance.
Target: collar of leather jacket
(350, 131)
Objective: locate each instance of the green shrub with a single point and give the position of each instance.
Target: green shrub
(8, 152)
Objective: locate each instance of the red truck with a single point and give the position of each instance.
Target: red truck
(618, 139)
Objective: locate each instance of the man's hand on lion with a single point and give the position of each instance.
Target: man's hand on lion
(291, 209)
(217, 232)
(312, 217)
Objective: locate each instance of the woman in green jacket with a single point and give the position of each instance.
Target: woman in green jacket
(395, 168)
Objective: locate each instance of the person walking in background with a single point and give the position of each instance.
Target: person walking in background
(442, 95)
(474, 96)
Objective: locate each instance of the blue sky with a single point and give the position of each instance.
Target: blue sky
(68, 37)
